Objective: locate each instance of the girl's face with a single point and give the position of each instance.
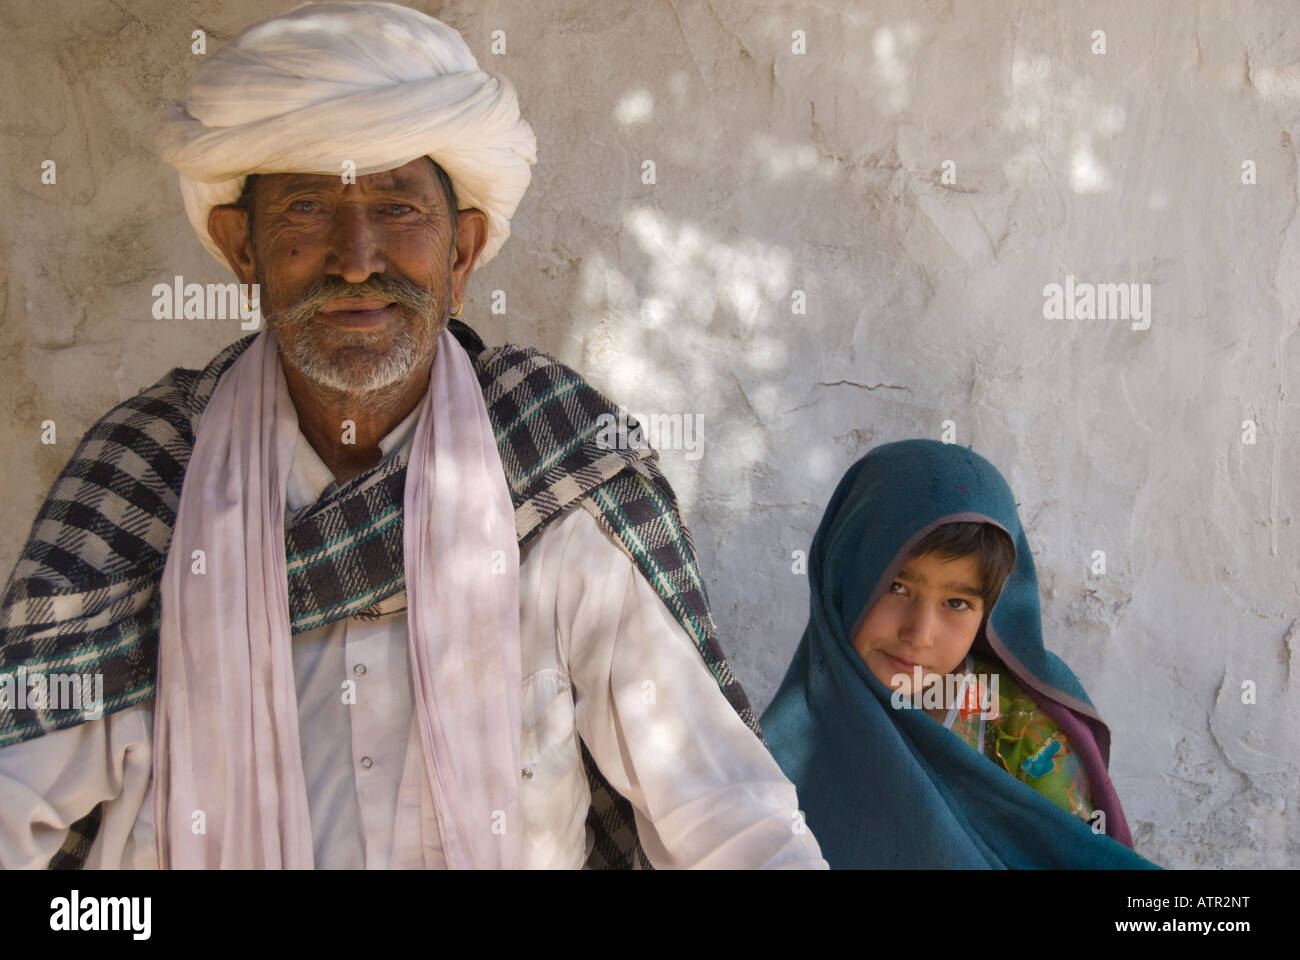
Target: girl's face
(929, 617)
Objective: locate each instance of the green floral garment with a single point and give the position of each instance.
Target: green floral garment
(1022, 739)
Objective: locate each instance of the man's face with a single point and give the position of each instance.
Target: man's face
(355, 278)
(928, 617)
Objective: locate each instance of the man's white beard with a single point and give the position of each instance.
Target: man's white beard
(378, 365)
(362, 375)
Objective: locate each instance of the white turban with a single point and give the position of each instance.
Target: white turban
(374, 83)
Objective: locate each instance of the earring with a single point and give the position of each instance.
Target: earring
(456, 315)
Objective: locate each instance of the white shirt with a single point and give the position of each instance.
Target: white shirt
(602, 659)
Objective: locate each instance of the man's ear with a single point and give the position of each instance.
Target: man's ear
(471, 238)
(228, 226)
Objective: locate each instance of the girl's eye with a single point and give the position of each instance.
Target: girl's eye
(896, 584)
(964, 604)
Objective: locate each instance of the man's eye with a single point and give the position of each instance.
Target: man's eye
(964, 604)
(896, 584)
(303, 206)
(397, 209)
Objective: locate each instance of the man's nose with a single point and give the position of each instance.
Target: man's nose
(354, 252)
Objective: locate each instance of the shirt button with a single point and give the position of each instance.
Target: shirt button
(359, 669)
(528, 773)
(367, 763)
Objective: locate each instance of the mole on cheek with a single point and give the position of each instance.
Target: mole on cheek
(293, 253)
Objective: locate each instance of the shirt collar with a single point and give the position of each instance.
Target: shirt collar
(309, 478)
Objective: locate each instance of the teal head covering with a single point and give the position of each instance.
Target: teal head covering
(892, 788)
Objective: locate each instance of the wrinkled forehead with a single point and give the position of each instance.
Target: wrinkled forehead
(418, 175)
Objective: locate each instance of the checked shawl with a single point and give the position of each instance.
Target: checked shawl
(84, 599)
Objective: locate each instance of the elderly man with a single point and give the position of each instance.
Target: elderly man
(362, 592)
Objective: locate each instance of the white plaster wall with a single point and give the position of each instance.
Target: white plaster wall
(821, 172)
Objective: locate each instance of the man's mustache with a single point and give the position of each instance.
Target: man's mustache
(397, 290)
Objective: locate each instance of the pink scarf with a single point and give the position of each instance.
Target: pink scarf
(229, 789)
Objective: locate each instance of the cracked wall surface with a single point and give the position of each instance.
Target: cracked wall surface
(920, 173)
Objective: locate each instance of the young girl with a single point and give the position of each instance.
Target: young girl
(922, 720)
